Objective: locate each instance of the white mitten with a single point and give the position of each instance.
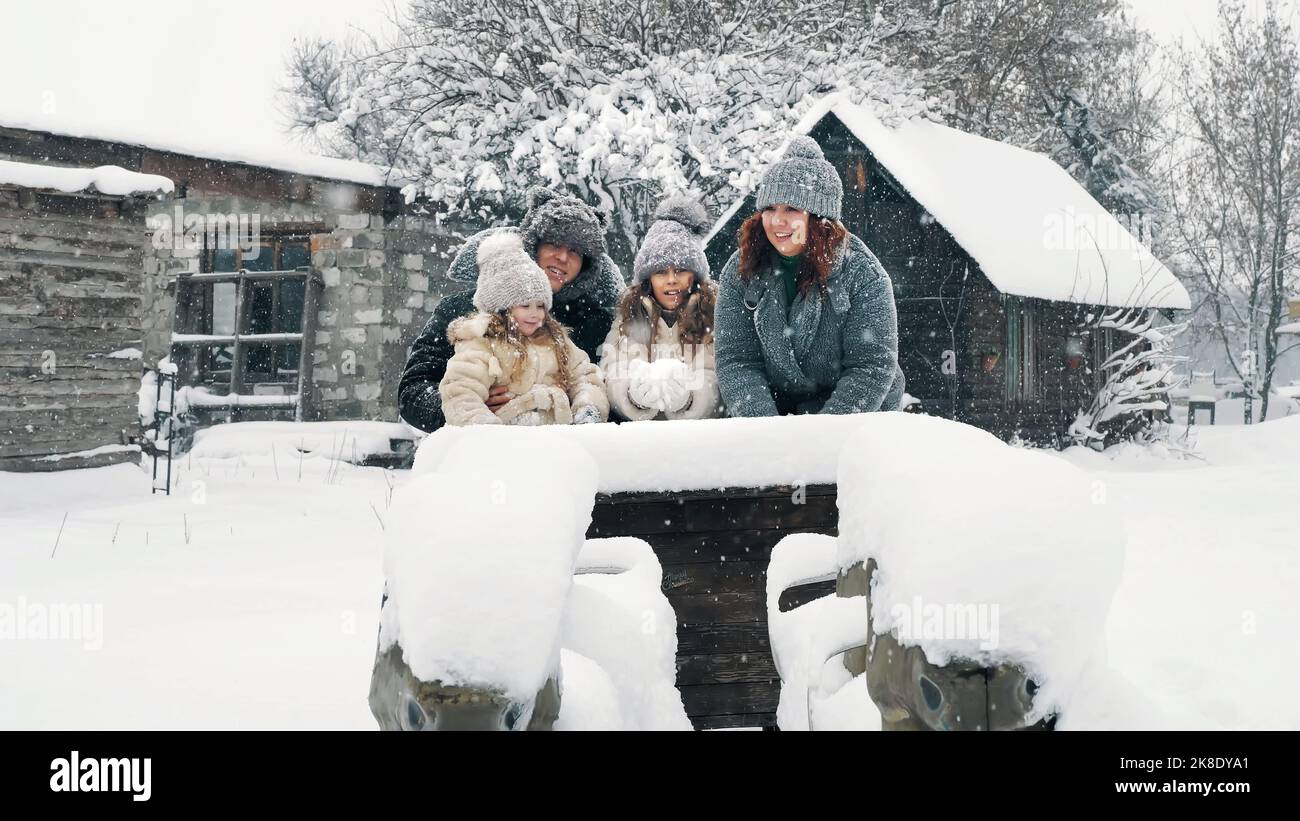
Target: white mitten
(528, 418)
(586, 415)
(675, 381)
(640, 387)
(661, 385)
(543, 397)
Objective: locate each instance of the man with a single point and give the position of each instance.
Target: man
(567, 238)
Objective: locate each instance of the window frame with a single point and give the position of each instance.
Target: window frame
(198, 345)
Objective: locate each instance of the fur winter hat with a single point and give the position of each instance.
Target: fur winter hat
(507, 275)
(674, 240)
(563, 220)
(802, 179)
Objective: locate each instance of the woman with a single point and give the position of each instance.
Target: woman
(658, 358)
(806, 321)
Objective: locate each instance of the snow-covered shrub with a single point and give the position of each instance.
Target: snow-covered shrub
(1133, 403)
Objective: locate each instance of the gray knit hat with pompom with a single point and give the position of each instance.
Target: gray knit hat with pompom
(674, 240)
(802, 179)
(563, 220)
(507, 276)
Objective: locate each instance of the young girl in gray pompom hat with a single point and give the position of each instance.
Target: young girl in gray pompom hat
(514, 341)
(658, 358)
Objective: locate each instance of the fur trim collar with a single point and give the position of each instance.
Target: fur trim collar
(470, 327)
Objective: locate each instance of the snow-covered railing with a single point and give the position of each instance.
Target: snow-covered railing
(244, 273)
(229, 339)
(691, 454)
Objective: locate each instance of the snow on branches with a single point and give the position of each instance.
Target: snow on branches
(1133, 403)
(618, 100)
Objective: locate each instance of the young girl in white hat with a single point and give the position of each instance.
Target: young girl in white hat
(514, 341)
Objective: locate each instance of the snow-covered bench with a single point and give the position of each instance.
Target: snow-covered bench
(948, 516)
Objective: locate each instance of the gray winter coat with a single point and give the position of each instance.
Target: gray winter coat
(845, 345)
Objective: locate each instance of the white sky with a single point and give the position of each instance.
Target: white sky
(204, 72)
(1171, 20)
(193, 72)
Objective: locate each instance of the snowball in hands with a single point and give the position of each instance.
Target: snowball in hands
(660, 385)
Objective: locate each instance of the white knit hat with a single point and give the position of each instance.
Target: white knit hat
(507, 276)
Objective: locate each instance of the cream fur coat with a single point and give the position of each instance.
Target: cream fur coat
(481, 363)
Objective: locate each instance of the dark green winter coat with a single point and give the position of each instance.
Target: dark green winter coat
(837, 354)
(585, 306)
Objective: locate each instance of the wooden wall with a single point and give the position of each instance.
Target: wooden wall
(70, 280)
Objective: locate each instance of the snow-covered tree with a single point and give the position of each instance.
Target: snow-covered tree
(620, 101)
(1234, 189)
(1069, 79)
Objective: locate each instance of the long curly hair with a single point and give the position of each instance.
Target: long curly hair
(825, 239)
(695, 317)
(502, 326)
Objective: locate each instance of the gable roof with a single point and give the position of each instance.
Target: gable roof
(1033, 229)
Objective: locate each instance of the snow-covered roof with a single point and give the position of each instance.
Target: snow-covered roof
(106, 179)
(297, 162)
(1034, 231)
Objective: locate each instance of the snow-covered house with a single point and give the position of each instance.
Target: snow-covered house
(281, 285)
(70, 282)
(997, 257)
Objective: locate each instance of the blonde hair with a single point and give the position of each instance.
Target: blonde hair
(502, 326)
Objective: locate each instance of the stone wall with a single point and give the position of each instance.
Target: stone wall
(382, 281)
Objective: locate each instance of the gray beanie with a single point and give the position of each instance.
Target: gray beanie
(507, 276)
(562, 220)
(674, 240)
(802, 179)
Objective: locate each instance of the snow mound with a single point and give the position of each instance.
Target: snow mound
(807, 640)
(985, 551)
(590, 699)
(480, 559)
(349, 441)
(619, 619)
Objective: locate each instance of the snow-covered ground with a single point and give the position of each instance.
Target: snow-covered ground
(1206, 623)
(250, 597)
